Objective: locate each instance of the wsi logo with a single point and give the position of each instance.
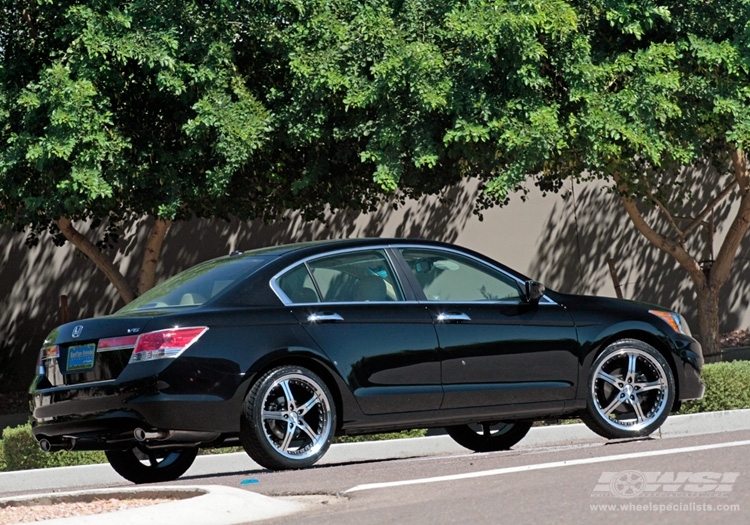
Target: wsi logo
(77, 330)
(632, 483)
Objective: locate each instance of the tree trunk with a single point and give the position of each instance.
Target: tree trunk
(151, 255)
(90, 250)
(708, 322)
(707, 285)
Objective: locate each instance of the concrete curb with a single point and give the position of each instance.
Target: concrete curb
(204, 505)
(226, 505)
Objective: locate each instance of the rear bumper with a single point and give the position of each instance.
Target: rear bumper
(105, 416)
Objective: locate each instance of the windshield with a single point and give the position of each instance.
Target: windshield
(196, 285)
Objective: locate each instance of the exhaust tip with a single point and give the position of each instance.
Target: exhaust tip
(45, 445)
(142, 435)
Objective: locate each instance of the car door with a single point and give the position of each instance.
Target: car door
(383, 345)
(496, 348)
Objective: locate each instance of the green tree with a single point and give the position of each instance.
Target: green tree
(629, 91)
(111, 111)
(660, 106)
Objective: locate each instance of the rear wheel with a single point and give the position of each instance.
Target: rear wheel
(489, 436)
(143, 465)
(289, 419)
(631, 390)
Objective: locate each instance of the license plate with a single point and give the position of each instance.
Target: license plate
(81, 357)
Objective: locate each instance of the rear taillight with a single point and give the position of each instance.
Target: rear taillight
(165, 343)
(45, 354)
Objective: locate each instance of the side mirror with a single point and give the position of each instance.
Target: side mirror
(534, 291)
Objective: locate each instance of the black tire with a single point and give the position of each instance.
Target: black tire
(143, 465)
(288, 420)
(630, 391)
(489, 436)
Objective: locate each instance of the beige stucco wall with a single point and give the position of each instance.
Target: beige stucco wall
(564, 241)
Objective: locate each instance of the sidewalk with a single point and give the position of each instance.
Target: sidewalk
(219, 505)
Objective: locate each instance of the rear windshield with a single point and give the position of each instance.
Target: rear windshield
(196, 285)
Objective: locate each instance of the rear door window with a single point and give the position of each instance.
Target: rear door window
(356, 276)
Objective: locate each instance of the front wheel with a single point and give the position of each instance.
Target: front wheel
(631, 390)
(489, 436)
(289, 419)
(143, 465)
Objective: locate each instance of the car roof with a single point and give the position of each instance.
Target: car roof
(314, 247)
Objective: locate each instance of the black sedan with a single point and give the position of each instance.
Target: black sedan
(281, 349)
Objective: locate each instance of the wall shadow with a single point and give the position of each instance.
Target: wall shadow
(33, 279)
(573, 253)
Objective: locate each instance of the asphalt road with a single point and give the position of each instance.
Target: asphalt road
(541, 485)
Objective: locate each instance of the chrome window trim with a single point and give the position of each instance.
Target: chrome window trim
(385, 248)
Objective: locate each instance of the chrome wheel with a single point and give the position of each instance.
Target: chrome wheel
(631, 390)
(289, 419)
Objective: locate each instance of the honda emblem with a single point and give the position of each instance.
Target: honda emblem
(77, 330)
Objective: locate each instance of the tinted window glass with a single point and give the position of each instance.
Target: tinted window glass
(446, 276)
(197, 284)
(298, 285)
(358, 276)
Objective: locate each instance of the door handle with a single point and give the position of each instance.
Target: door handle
(324, 318)
(455, 317)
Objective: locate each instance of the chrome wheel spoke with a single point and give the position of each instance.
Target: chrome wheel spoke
(632, 364)
(304, 409)
(651, 385)
(309, 431)
(604, 376)
(290, 428)
(290, 403)
(616, 402)
(636, 404)
(274, 414)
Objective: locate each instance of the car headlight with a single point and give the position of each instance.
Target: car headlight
(675, 320)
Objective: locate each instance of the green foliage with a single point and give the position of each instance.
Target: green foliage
(114, 111)
(121, 110)
(727, 388)
(20, 451)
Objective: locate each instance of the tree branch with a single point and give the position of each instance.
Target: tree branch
(728, 251)
(699, 219)
(666, 212)
(663, 243)
(741, 172)
(98, 258)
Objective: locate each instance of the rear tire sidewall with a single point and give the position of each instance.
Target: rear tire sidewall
(253, 434)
